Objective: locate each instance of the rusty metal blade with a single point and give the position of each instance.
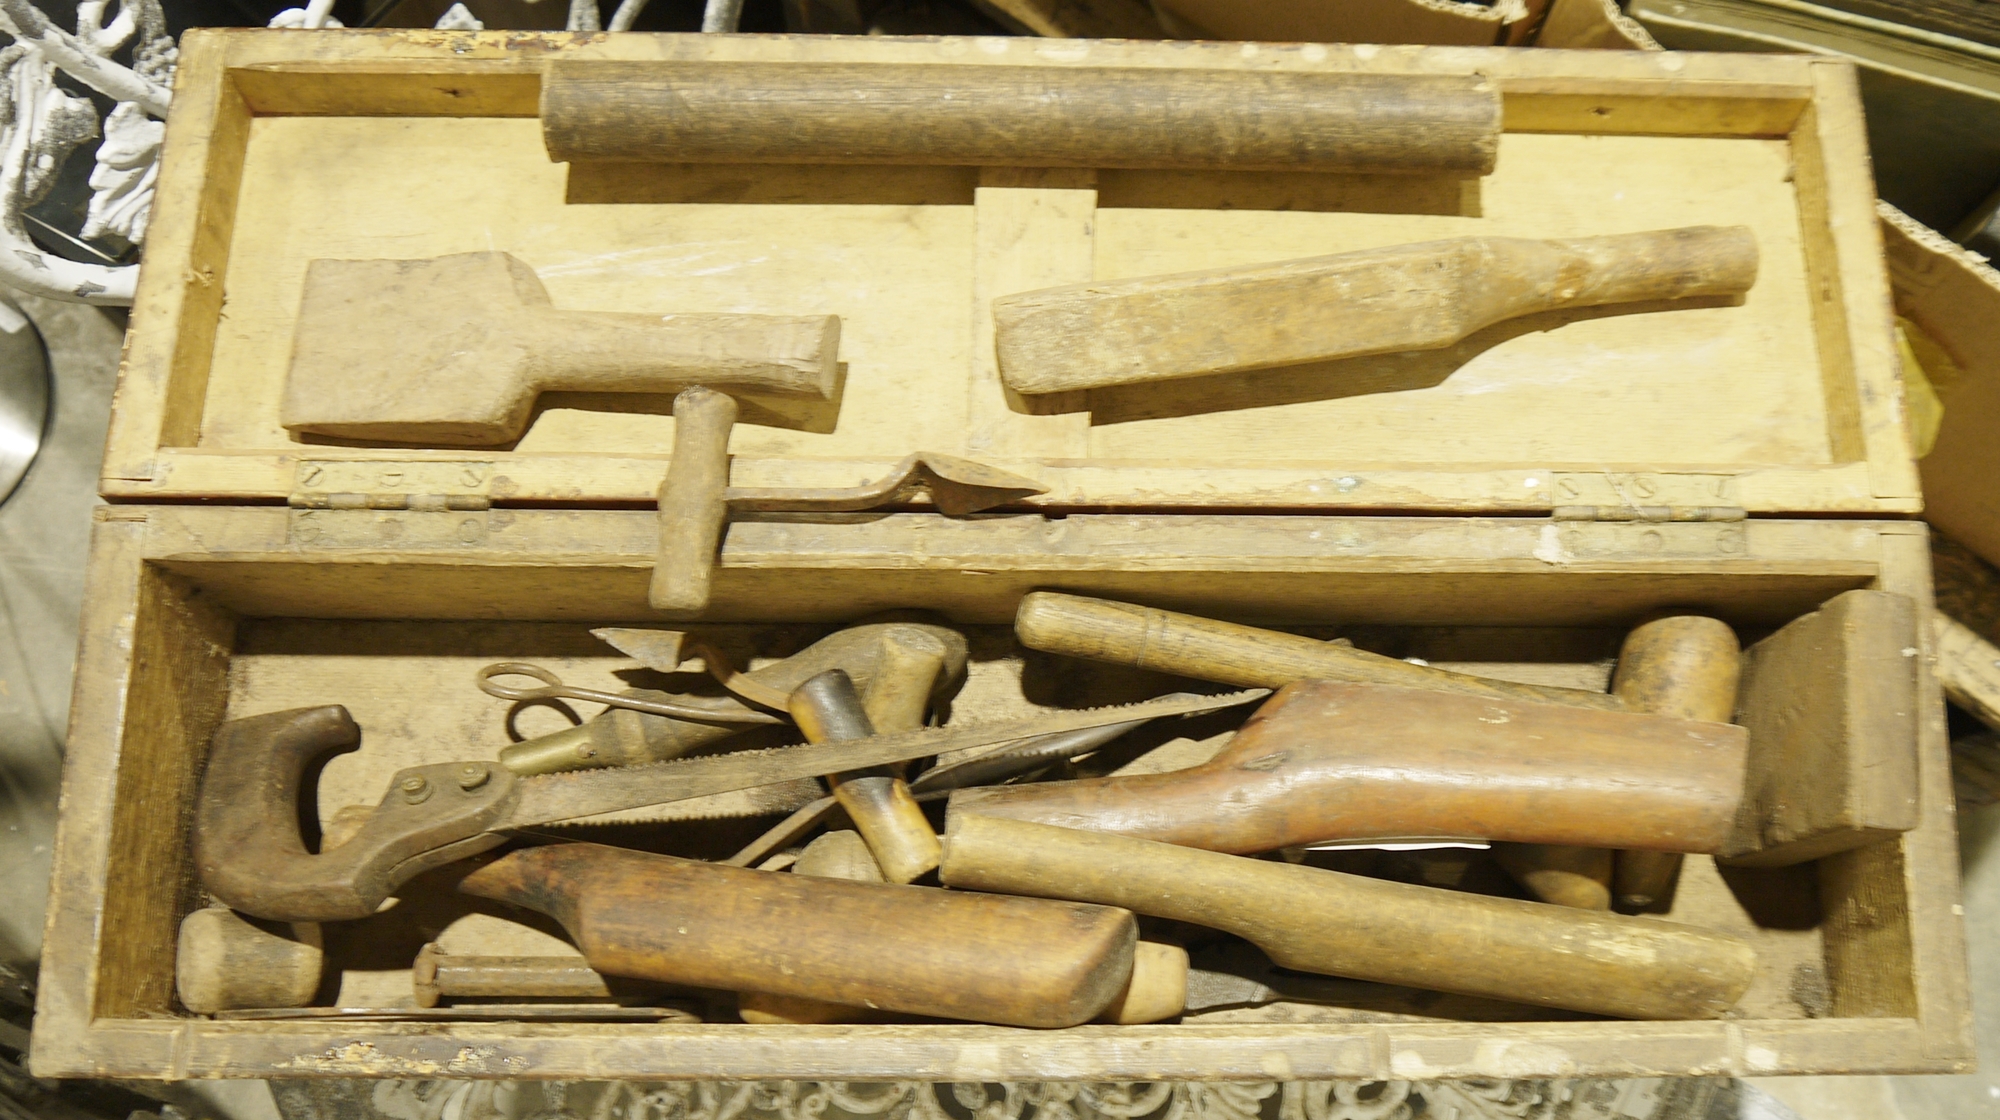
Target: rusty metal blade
(548, 798)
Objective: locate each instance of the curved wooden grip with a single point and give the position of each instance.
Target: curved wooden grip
(917, 950)
(1325, 761)
(250, 853)
(1662, 264)
(1205, 649)
(693, 503)
(1369, 929)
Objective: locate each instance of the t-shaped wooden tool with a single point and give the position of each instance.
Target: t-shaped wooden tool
(453, 351)
(696, 498)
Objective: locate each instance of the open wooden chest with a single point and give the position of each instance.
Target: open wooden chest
(1507, 506)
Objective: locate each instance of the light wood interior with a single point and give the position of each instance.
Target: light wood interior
(233, 610)
(299, 163)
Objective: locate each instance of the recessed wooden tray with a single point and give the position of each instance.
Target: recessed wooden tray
(201, 613)
(286, 147)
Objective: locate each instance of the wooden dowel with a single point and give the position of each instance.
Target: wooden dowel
(1204, 649)
(998, 116)
(1369, 929)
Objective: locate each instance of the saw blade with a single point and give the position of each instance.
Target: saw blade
(548, 798)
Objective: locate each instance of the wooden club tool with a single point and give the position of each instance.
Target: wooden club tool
(1328, 761)
(917, 950)
(695, 498)
(1205, 649)
(453, 351)
(1410, 297)
(1369, 929)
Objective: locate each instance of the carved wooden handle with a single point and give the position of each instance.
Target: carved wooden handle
(918, 950)
(693, 506)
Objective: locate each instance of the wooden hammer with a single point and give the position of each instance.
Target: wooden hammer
(453, 351)
(695, 498)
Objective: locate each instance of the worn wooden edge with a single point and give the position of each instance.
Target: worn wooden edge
(1930, 863)
(67, 981)
(163, 373)
(1861, 277)
(595, 479)
(156, 1050)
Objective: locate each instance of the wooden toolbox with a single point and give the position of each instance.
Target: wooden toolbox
(1508, 505)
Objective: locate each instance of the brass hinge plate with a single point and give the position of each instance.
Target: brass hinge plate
(352, 504)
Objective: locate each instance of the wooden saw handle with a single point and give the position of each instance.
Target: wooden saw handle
(1205, 649)
(918, 950)
(1369, 929)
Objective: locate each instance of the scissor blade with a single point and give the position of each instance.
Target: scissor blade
(547, 798)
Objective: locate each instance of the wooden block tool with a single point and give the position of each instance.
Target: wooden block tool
(1410, 297)
(454, 350)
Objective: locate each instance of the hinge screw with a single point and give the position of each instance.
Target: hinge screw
(471, 776)
(415, 789)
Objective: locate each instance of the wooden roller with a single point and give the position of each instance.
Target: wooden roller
(1329, 761)
(1205, 649)
(1410, 297)
(1369, 929)
(1023, 116)
(917, 950)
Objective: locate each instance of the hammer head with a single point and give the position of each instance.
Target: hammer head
(428, 351)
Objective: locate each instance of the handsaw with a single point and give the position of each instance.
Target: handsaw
(251, 854)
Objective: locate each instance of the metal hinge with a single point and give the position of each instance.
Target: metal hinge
(363, 504)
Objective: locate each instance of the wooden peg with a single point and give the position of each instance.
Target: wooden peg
(224, 962)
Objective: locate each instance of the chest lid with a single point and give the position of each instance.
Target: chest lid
(285, 149)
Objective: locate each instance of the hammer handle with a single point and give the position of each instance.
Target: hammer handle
(888, 817)
(1204, 649)
(693, 505)
(1327, 922)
